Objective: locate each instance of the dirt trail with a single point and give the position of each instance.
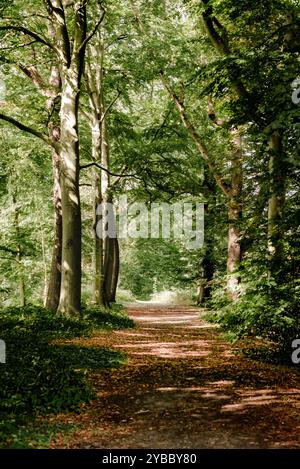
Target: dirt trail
(184, 387)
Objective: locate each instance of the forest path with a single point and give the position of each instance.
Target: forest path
(184, 387)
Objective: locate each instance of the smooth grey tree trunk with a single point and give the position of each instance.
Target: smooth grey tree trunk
(70, 294)
(54, 284)
(53, 291)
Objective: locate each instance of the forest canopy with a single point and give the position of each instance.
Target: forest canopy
(164, 102)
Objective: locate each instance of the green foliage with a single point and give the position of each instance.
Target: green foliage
(113, 318)
(165, 267)
(31, 435)
(40, 376)
(147, 141)
(264, 310)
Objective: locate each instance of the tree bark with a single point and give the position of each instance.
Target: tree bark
(207, 273)
(234, 218)
(94, 81)
(19, 256)
(112, 264)
(71, 52)
(53, 292)
(70, 294)
(98, 245)
(207, 265)
(115, 272)
(106, 199)
(105, 252)
(218, 36)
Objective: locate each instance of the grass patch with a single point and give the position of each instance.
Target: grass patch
(106, 319)
(41, 378)
(35, 435)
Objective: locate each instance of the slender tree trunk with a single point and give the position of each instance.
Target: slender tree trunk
(45, 267)
(98, 250)
(234, 218)
(108, 267)
(234, 249)
(206, 277)
(106, 199)
(53, 292)
(207, 265)
(276, 203)
(19, 256)
(52, 92)
(112, 265)
(105, 252)
(218, 37)
(115, 272)
(94, 80)
(21, 279)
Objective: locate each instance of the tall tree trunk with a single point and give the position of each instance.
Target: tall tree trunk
(115, 271)
(19, 256)
(106, 199)
(234, 218)
(70, 294)
(218, 37)
(112, 265)
(70, 45)
(45, 267)
(51, 91)
(111, 245)
(98, 249)
(94, 81)
(108, 267)
(276, 203)
(207, 264)
(53, 292)
(106, 252)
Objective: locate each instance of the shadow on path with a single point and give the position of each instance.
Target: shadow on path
(184, 387)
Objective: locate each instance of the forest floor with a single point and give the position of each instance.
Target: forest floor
(183, 386)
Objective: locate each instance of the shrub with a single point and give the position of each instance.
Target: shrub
(40, 377)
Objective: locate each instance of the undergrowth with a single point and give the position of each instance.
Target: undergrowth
(40, 377)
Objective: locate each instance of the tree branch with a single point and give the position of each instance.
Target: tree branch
(18, 47)
(119, 38)
(32, 73)
(89, 165)
(110, 106)
(30, 130)
(57, 15)
(220, 43)
(93, 32)
(28, 32)
(137, 16)
(196, 138)
(87, 115)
